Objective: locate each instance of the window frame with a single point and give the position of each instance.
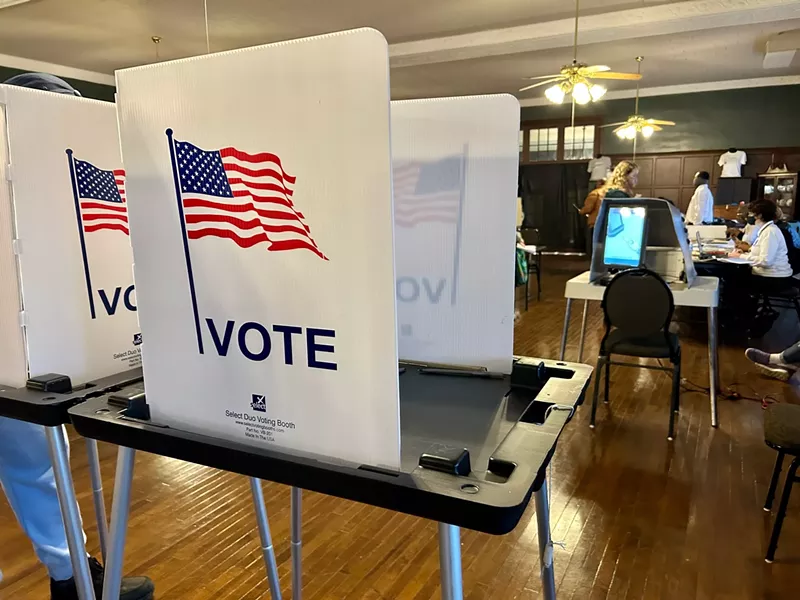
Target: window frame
(561, 125)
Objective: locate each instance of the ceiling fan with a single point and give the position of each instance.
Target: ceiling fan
(577, 77)
(636, 123)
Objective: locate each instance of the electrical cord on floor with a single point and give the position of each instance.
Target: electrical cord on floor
(728, 392)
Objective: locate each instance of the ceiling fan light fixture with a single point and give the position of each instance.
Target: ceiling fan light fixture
(647, 131)
(581, 93)
(555, 94)
(597, 92)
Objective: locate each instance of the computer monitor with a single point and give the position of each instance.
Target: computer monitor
(625, 243)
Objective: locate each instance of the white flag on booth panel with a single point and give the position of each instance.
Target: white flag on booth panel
(75, 257)
(259, 186)
(455, 181)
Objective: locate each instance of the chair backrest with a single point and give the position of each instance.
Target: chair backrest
(638, 302)
(530, 235)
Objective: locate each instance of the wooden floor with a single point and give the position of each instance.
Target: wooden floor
(639, 517)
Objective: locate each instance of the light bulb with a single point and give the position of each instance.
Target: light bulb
(631, 132)
(622, 133)
(647, 131)
(581, 93)
(597, 92)
(555, 94)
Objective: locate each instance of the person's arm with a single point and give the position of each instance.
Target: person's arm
(589, 204)
(693, 212)
(764, 252)
(707, 206)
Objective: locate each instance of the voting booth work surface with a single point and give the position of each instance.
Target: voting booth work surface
(67, 301)
(455, 163)
(261, 226)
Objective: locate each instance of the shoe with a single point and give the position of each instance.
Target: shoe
(132, 588)
(761, 360)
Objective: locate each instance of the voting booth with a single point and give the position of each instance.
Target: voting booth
(67, 301)
(261, 224)
(455, 163)
(641, 232)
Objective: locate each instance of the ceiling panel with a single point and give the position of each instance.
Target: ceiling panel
(103, 35)
(694, 57)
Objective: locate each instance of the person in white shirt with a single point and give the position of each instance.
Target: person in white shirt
(701, 206)
(768, 255)
(599, 167)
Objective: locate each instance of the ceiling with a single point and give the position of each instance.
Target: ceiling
(438, 47)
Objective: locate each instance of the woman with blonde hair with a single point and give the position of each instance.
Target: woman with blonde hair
(622, 181)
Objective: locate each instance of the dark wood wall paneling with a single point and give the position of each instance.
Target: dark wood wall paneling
(671, 175)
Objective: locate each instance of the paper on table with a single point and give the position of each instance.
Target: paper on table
(736, 260)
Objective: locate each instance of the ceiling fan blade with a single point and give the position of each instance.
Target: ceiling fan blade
(534, 85)
(656, 128)
(613, 75)
(595, 68)
(544, 76)
(614, 124)
(657, 122)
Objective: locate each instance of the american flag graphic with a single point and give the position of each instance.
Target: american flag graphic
(101, 198)
(246, 198)
(427, 192)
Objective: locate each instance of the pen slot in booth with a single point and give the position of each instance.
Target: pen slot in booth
(536, 412)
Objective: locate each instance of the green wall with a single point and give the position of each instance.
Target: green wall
(748, 118)
(86, 88)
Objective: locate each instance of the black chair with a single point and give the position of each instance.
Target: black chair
(638, 307)
(531, 237)
(781, 432)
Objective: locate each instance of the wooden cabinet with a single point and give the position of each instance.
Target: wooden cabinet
(781, 188)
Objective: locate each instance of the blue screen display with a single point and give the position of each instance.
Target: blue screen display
(624, 236)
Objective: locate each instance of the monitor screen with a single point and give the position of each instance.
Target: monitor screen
(625, 233)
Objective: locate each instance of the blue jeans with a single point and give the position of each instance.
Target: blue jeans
(26, 474)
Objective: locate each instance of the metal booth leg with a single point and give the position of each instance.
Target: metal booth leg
(545, 543)
(450, 562)
(266, 538)
(119, 522)
(583, 330)
(297, 543)
(713, 363)
(97, 495)
(566, 329)
(70, 513)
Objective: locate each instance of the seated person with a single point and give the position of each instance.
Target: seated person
(701, 206)
(778, 366)
(768, 255)
(621, 182)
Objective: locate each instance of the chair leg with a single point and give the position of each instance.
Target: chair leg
(539, 277)
(787, 490)
(598, 373)
(773, 485)
(675, 402)
(608, 378)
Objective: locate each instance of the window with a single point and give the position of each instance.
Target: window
(543, 144)
(579, 142)
(546, 141)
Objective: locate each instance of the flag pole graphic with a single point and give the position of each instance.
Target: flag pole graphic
(176, 179)
(80, 233)
(457, 261)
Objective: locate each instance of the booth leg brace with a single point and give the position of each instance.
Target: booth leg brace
(450, 562)
(59, 456)
(297, 543)
(97, 495)
(119, 522)
(266, 538)
(545, 543)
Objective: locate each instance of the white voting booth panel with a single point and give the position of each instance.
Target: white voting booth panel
(67, 303)
(261, 223)
(455, 163)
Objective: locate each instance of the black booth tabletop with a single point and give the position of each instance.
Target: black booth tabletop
(50, 408)
(503, 422)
